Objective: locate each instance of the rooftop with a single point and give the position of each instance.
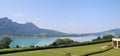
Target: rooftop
(116, 39)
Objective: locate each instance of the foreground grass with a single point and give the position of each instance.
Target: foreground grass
(112, 52)
(75, 51)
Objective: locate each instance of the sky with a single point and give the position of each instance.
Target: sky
(69, 16)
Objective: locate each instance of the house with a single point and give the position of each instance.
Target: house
(116, 42)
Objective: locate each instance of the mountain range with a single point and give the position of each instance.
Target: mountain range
(115, 32)
(111, 31)
(8, 27)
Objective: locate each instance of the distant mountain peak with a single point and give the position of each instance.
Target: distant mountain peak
(5, 19)
(115, 31)
(9, 27)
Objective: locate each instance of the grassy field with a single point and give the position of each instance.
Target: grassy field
(75, 51)
(112, 52)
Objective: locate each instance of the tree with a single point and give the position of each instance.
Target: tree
(99, 38)
(17, 46)
(65, 41)
(108, 37)
(5, 42)
(68, 41)
(59, 41)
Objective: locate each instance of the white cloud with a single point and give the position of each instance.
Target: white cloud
(18, 17)
(19, 20)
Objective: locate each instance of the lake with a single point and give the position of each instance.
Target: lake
(41, 41)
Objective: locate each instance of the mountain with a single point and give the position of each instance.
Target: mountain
(8, 27)
(115, 32)
(112, 31)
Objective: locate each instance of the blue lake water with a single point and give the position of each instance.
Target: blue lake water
(41, 41)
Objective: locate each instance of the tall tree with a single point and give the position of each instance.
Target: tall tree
(5, 42)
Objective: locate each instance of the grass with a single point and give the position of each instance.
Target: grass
(112, 52)
(75, 51)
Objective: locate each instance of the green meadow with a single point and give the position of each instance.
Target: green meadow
(75, 51)
(112, 52)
